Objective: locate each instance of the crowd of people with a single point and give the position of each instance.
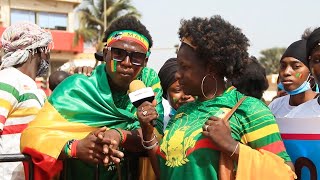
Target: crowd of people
(211, 120)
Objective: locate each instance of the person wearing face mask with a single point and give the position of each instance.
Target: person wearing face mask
(26, 56)
(294, 77)
(172, 91)
(310, 109)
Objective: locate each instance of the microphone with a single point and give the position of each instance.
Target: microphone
(139, 93)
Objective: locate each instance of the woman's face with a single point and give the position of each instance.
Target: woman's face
(124, 69)
(176, 96)
(190, 71)
(314, 64)
(292, 73)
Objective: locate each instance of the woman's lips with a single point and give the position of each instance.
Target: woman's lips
(287, 82)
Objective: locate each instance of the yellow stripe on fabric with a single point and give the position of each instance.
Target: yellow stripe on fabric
(22, 112)
(52, 131)
(6, 104)
(260, 133)
(156, 86)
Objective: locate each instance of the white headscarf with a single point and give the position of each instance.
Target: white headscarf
(19, 40)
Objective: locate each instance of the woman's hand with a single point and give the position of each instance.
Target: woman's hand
(220, 133)
(146, 114)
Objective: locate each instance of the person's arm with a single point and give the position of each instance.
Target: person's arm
(147, 113)
(260, 132)
(91, 149)
(8, 100)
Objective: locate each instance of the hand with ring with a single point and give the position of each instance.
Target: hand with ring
(220, 133)
(146, 114)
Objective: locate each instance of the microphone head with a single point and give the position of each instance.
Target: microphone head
(136, 85)
(139, 93)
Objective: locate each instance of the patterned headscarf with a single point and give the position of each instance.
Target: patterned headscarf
(20, 39)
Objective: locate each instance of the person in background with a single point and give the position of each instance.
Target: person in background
(253, 81)
(294, 77)
(310, 108)
(86, 118)
(211, 50)
(26, 56)
(172, 92)
(56, 78)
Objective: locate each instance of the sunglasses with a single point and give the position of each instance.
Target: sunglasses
(136, 58)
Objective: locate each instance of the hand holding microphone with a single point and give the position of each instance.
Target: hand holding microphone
(142, 97)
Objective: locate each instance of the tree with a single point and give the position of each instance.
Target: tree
(91, 15)
(270, 59)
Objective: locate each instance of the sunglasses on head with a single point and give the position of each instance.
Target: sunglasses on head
(136, 58)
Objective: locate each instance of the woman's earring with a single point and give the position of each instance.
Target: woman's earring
(202, 83)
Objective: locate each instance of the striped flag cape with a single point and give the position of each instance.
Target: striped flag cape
(77, 107)
(301, 136)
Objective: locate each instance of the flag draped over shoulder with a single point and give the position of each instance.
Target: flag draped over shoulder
(262, 165)
(77, 107)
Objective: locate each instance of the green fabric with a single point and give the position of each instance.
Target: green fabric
(186, 154)
(89, 100)
(10, 89)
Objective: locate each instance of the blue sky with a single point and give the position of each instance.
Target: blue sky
(267, 23)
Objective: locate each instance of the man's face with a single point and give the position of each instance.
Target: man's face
(122, 68)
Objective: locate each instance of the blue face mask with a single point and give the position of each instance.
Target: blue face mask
(172, 112)
(317, 88)
(303, 88)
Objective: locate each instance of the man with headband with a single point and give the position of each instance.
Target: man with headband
(294, 77)
(310, 108)
(87, 118)
(26, 56)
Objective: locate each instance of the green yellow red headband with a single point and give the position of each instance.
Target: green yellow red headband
(129, 35)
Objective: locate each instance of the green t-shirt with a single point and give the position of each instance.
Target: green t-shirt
(186, 154)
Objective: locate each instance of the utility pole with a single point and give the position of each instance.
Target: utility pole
(105, 15)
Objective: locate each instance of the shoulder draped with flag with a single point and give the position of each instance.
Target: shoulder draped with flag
(185, 153)
(78, 106)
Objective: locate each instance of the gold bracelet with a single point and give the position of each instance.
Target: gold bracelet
(235, 149)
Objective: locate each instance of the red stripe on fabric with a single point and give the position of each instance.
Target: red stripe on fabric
(2, 119)
(301, 136)
(14, 129)
(275, 147)
(161, 154)
(45, 167)
(203, 143)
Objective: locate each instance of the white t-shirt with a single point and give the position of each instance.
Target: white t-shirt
(280, 107)
(308, 109)
(167, 109)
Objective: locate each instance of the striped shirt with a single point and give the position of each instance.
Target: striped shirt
(185, 153)
(20, 101)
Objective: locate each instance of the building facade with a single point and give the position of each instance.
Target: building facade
(58, 16)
